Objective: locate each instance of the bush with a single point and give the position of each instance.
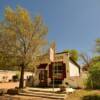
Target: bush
(12, 91)
(93, 81)
(91, 97)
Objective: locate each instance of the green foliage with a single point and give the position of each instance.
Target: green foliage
(73, 53)
(93, 81)
(91, 97)
(98, 45)
(94, 76)
(95, 59)
(21, 38)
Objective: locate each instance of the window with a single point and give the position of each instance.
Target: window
(57, 70)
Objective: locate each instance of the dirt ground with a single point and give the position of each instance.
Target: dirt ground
(9, 85)
(77, 95)
(22, 98)
(84, 95)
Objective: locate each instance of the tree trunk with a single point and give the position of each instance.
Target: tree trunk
(21, 83)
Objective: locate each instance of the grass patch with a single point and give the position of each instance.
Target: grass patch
(84, 95)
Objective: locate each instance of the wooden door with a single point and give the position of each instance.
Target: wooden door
(43, 77)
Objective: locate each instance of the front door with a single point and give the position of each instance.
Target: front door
(43, 77)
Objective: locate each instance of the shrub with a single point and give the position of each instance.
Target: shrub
(93, 81)
(12, 91)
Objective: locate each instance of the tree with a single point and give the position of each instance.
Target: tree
(94, 76)
(94, 69)
(6, 57)
(98, 45)
(23, 37)
(86, 61)
(73, 54)
(95, 59)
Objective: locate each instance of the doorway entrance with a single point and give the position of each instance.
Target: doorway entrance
(43, 77)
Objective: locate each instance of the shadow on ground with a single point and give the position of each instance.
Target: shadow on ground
(91, 97)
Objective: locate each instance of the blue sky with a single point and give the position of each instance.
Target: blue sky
(72, 24)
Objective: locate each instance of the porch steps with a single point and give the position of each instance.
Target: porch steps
(44, 94)
(50, 90)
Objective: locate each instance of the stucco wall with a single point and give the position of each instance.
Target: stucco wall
(73, 69)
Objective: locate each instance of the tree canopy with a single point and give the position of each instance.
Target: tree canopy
(21, 38)
(73, 54)
(98, 45)
(94, 76)
(94, 69)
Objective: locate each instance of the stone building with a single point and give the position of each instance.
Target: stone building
(62, 70)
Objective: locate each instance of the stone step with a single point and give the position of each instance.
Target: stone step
(44, 93)
(43, 90)
(43, 96)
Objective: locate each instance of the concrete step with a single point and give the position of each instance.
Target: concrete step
(43, 94)
(50, 90)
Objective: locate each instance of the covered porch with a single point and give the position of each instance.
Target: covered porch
(51, 73)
